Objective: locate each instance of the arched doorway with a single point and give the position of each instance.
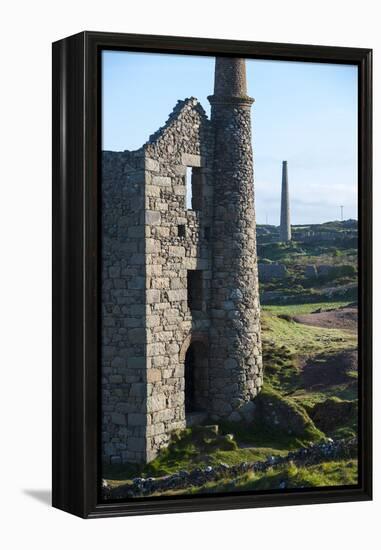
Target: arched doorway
(196, 377)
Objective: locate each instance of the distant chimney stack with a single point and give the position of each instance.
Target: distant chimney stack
(285, 224)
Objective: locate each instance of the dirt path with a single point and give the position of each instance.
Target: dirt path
(342, 318)
(329, 370)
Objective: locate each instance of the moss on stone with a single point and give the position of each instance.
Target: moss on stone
(279, 414)
(335, 414)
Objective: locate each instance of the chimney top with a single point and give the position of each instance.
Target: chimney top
(230, 81)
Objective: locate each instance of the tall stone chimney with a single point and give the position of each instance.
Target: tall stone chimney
(285, 225)
(235, 340)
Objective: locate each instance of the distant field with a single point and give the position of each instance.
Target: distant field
(302, 339)
(300, 309)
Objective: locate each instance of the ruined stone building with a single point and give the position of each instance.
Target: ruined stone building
(180, 320)
(285, 223)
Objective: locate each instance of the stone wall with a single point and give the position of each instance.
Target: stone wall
(306, 456)
(123, 308)
(185, 141)
(267, 272)
(327, 271)
(160, 257)
(310, 271)
(147, 324)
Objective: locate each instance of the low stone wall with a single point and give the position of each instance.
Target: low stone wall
(328, 271)
(311, 272)
(267, 272)
(142, 487)
(282, 297)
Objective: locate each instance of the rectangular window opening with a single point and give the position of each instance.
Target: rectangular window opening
(181, 230)
(194, 280)
(193, 188)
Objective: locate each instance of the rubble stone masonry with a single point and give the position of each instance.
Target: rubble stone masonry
(155, 247)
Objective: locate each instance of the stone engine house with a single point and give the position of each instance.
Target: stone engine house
(180, 319)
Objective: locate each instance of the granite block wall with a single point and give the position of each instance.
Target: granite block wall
(180, 301)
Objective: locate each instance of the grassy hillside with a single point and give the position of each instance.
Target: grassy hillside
(332, 245)
(288, 415)
(310, 389)
(326, 474)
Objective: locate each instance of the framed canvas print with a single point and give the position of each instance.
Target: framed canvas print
(211, 274)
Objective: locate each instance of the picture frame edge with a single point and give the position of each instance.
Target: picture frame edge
(75, 272)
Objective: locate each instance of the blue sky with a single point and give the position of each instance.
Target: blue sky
(305, 113)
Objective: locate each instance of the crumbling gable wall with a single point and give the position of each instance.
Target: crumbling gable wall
(185, 141)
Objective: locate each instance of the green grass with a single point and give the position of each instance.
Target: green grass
(195, 448)
(320, 475)
(249, 454)
(338, 418)
(326, 474)
(286, 345)
(302, 339)
(234, 444)
(302, 253)
(280, 414)
(281, 367)
(301, 309)
(261, 440)
(308, 399)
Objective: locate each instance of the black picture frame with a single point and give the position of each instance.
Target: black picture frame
(76, 167)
